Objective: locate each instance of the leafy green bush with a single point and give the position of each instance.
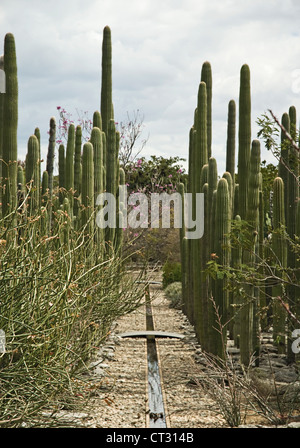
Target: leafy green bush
(171, 273)
(57, 307)
(174, 293)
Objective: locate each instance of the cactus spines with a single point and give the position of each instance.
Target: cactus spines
(10, 125)
(244, 139)
(106, 84)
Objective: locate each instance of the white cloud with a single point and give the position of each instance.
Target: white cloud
(158, 51)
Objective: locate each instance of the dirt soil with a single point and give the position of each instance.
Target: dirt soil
(120, 375)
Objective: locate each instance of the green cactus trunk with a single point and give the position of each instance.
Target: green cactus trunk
(10, 125)
(61, 173)
(106, 84)
(32, 175)
(248, 311)
(200, 148)
(97, 120)
(206, 76)
(96, 140)
(230, 145)
(77, 172)
(279, 246)
(292, 198)
(222, 251)
(87, 189)
(244, 139)
(111, 176)
(70, 151)
(51, 154)
(45, 190)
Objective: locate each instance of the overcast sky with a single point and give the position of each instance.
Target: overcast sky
(158, 51)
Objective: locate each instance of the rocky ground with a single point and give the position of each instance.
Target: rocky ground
(120, 378)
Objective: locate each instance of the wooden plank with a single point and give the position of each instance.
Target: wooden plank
(144, 333)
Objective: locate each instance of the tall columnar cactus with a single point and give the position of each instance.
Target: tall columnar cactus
(247, 336)
(200, 158)
(229, 179)
(32, 168)
(96, 140)
(51, 154)
(230, 144)
(10, 125)
(236, 261)
(44, 192)
(244, 139)
(222, 251)
(212, 186)
(291, 206)
(97, 120)
(111, 174)
(204, 176)
(283, 168)
(279, 247)
(77, 170)
(37, 133)
(206, 76)
(106, 84)
(87, 188)
(201, 155)
(70, 150)
(61, 173)
(205, 256)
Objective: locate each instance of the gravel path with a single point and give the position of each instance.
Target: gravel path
(122, 397)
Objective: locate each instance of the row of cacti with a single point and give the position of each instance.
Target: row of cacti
(84, 170)
(228, 201)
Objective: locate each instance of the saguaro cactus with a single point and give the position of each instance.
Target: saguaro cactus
(10, 125)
